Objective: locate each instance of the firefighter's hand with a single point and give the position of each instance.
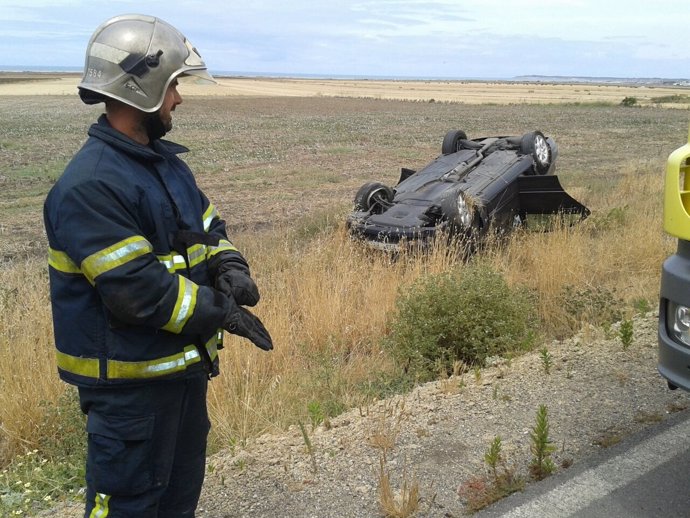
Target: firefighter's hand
(239, 286)
(243, 323)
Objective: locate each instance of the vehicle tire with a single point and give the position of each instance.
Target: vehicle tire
(458, 220)
(535, 144)
(451, 142)
(373, 196)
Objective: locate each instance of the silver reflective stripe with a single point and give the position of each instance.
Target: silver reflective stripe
(172, 262)
(171, 365)
(196, 255)
(107, 53)
(186, 305)
(192, 354)
(114, 256)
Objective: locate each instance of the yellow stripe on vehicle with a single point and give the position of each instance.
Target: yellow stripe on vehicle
(61, 262)
(115, 255)
(184, 306)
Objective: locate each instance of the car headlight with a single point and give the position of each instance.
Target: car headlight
(678, 321)
(464, 212)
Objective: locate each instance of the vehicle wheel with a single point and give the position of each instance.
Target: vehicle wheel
(535, 144)
(458, 213)
(373, 196)
(451, 142)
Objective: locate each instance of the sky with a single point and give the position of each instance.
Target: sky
(488, 39)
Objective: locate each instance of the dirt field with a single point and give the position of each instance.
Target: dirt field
(269, 159)
(470, 92)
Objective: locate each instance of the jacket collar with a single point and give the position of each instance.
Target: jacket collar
(159, 150)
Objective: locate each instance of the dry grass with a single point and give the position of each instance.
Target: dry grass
(397, 504)
(327, 302)
(28, 384)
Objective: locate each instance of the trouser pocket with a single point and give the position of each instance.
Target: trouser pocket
(119, 454)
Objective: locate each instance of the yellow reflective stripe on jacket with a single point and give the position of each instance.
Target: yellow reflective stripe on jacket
(209, 215)
(151, 369)
(100, 509)
(196, 254)
(223, 244)
(173, 262)
(184, 306)
(115, 369)
(61, 262)
(114, 256)
(87, 367)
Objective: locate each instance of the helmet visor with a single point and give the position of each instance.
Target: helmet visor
(197, 77)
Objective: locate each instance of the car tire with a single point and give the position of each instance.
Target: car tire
(451, 142)
(451, 212)
(373, 195)
(535, 144)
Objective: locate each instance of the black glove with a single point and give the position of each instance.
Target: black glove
(241, 322)
(230, 274)
(238, 285)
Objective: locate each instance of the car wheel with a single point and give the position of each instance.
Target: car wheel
(535, 144)
(373, 196)
(457, 211)
(451, 142)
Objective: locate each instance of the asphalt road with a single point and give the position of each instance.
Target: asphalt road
(647, 475)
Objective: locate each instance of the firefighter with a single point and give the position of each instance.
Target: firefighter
(143, 279)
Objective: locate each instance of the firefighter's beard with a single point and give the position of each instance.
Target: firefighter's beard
(155, 128)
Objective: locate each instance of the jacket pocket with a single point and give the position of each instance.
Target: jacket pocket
(120, 454)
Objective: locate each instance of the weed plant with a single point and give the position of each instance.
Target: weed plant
(481, 491)
(626, 333)
(541, 465)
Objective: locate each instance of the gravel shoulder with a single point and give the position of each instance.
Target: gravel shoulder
(597, 393)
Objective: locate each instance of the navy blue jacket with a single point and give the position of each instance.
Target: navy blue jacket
(130, 237)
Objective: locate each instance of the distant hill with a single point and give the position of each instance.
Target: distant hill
(646, 81)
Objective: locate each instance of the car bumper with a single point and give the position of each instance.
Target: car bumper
(674, 356)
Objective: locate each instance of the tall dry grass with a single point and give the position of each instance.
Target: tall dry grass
(327, 302)
(28, 375)
(620, 249)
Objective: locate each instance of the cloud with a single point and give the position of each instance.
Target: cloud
(438, 38)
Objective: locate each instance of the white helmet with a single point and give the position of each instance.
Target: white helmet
(133, 58)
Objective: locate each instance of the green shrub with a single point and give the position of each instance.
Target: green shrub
(629, 101)
(459, 316)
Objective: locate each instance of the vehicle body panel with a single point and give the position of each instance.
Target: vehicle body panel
(674, 293)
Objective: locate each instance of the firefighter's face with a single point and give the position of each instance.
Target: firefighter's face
(170, 101)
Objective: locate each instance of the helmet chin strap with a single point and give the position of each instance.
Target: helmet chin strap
(154, 126)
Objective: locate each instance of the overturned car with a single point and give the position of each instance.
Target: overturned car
(473, 186)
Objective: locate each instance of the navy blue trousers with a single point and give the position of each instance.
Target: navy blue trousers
(146, 448)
